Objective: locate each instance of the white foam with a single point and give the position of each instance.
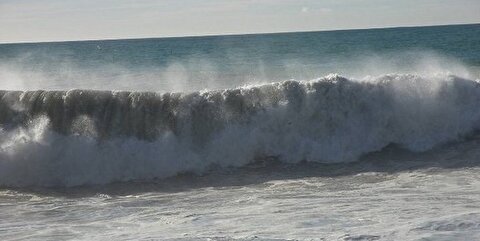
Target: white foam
(331, 119)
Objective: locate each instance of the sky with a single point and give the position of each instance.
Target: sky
(60, 20)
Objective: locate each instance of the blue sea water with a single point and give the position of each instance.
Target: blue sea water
(340, 135)
(193, 63)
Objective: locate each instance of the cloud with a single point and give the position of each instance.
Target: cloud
(46, 20)
(325, 10)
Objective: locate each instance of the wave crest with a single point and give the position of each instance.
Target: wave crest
(76, 137)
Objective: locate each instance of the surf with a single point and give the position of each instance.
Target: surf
(80, 137)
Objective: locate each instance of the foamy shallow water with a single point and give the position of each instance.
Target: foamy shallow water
(400, 196)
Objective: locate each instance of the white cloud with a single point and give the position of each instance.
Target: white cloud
(44, 20)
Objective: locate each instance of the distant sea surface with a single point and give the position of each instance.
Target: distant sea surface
(339, 135)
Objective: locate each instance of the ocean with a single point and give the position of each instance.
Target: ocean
(336, 135)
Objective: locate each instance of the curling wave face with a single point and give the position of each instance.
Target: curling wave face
(77, 137)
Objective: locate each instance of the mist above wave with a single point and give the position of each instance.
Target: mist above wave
(61, 71)
(77, 137)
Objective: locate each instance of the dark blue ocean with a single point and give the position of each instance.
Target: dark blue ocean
(193, 63)
(339, 135)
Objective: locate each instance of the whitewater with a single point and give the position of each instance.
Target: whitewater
(297, 136)
(77, 137)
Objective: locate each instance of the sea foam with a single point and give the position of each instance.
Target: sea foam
(78, 137)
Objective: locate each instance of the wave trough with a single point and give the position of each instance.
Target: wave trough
(78, 137)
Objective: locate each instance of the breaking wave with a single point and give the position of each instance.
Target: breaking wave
(78, 137)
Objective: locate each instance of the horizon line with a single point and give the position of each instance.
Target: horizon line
(237, 34)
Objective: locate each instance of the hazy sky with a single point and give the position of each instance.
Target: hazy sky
(47, 20)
